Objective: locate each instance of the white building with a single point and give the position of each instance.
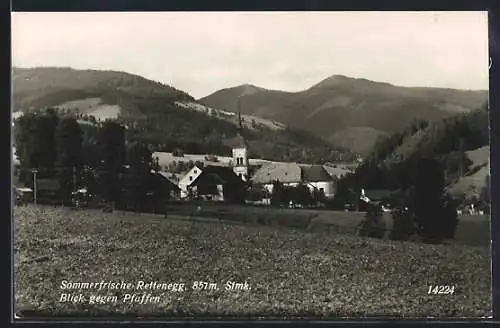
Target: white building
(187, 179)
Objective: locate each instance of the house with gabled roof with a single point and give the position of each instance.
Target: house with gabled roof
(218, 183)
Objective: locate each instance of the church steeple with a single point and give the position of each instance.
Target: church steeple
(240, 122)
(240, 155)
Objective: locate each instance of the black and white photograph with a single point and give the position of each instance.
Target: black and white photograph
(228, 165)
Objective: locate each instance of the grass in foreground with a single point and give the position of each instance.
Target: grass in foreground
(291, 272)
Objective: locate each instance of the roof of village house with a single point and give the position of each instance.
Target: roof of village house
(166, 182)
(283, 172)
(217, 175)
(171, 177)
(314, 173)
(336, 172)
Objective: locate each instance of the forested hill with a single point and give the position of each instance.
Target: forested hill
(451, 141)
(48, 86)
(352, 112)
(152, 112)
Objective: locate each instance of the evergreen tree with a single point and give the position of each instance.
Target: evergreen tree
(435, 212)
(111, 140)
(403, 226)
(69, 152)
(139, 157)
(35, 144)
(302, 195)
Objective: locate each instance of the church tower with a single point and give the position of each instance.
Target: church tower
(240, 151)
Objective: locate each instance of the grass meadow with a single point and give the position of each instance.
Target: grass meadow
(312, 272)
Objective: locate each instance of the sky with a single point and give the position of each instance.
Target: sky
(201, 52)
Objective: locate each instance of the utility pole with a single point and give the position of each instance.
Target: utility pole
(34, 171)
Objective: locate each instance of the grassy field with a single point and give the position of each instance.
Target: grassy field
(472, 230)
(291, 272)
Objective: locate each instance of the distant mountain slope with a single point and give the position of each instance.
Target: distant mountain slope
(166, 118)
(338, 103)
(474, 181)
(460, 143)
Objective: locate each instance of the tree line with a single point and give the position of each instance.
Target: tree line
(97, 157)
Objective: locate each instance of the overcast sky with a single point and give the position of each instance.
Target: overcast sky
(204, 52)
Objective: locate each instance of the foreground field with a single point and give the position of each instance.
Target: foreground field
(289, 272)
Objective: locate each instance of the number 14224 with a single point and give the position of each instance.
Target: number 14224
(441, 290)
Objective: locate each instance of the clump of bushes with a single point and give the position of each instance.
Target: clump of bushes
(403, 226)
(373, 225)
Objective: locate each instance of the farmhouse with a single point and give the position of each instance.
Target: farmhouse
(218, 183)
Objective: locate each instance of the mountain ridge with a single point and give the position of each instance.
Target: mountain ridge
(334, 106)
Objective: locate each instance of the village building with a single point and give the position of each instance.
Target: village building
(187, 180)
(315, 177)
